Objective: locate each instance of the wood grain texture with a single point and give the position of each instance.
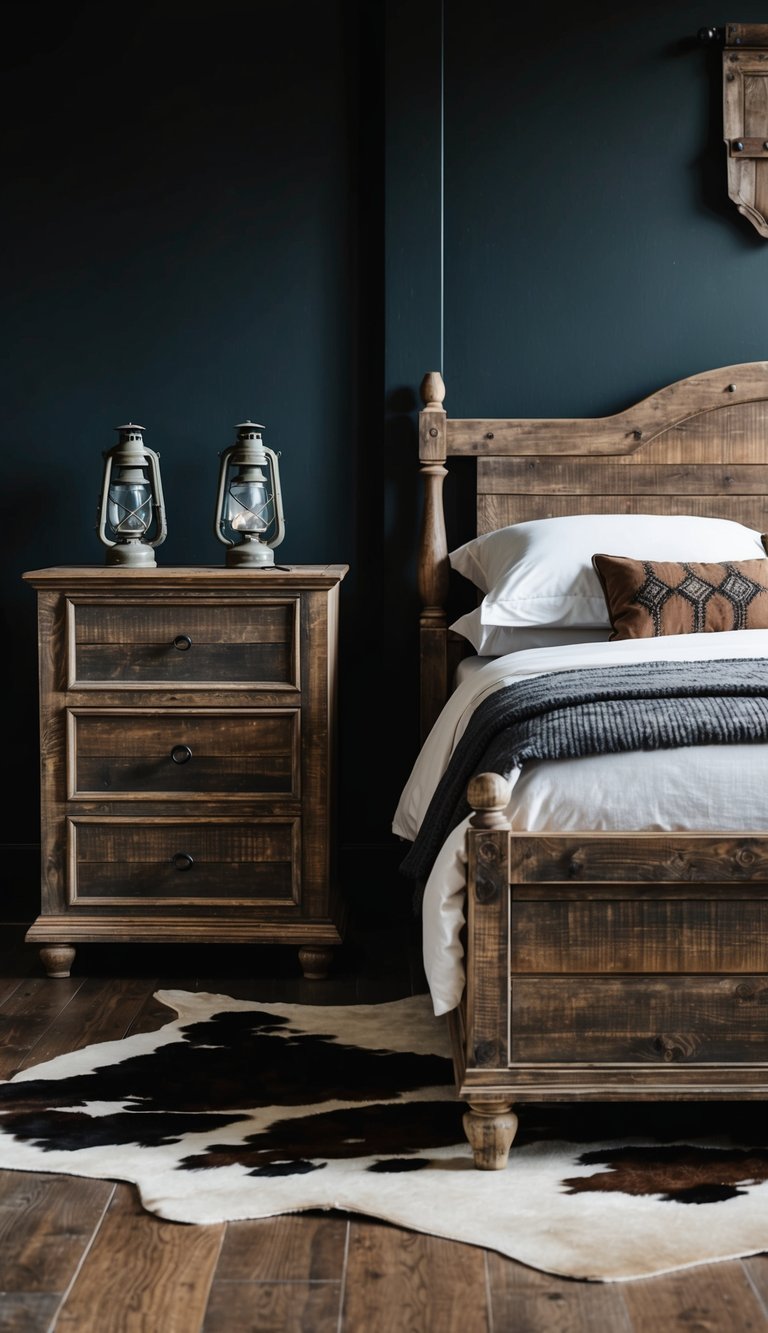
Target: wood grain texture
(295, 1248)
(621, 952)
(709, 1297)
(641, 1020)
(187, 756)
(28, 1312)
(498, 511)
(528, 1301)
(193, 861)
(625, 477)
(697, 446)
(273, 1307)
(27, 1015)
(675, 406)
(745, 119)
(398, 1281)
(642, 857)
(756, 1268)
(292, 1270)
(721, 934)
(46, 1226)
(487, 1033)
(162, 1281)
(101, 1009)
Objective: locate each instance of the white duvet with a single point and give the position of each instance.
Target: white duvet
(701, 788)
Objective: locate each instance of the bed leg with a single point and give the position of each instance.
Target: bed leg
(490, 1128)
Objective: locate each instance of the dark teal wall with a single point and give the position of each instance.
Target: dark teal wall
(591, 252)
(192, 234)
(291, 212)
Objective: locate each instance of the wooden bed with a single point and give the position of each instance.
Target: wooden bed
(591, 924)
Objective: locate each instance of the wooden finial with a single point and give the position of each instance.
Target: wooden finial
(489, 795)
(432, 391)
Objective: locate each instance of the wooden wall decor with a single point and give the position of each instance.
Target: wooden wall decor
(745, 119)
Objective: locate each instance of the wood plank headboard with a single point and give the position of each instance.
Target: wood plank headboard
(698, 446)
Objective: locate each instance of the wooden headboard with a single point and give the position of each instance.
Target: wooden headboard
(698, 446)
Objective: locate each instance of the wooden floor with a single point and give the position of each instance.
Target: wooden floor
(80, 1254)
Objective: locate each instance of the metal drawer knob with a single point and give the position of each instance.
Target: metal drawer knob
(182, 861)
(181, 754)
(182, 642)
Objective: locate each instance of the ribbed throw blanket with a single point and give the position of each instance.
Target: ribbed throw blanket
(596, 710)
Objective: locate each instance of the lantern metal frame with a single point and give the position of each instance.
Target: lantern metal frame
(249, 462)
(130, 461)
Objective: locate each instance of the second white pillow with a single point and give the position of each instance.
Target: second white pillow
(541, 573)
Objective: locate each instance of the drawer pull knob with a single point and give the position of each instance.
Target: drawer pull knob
(182, 861)
(182, 642)
(181, 754)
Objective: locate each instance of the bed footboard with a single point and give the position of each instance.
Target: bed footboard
(607, 967)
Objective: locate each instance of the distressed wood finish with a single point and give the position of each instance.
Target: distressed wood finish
(603, 967)
(698, 446)
(63, 1238)
(497, 511)
(676, 1020)
(187, 721)
(433, 568)
(667, 857)
(634, 933)
(679, 411)
(745, 119)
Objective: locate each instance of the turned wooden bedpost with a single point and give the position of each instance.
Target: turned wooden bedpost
(433, 567)
(490, 1124)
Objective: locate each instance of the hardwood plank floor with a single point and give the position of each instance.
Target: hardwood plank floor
(82, 1256)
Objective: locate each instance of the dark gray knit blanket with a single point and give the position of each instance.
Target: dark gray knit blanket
(595, 710)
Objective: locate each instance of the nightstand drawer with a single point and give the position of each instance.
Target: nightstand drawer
(187, 745)
(184, 860)
(205, 752)
(224, 643)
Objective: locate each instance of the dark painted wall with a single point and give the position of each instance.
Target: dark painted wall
(591, 252)
(291, 212)
(192, 235)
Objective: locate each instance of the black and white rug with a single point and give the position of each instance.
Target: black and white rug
(238, 1109)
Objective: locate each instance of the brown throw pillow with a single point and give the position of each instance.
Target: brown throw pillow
(649, 597)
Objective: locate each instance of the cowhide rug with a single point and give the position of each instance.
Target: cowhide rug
(238, 1109)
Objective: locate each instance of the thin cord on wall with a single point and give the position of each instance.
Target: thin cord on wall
(442, 182)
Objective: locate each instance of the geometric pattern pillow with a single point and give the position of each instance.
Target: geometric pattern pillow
(649, 597)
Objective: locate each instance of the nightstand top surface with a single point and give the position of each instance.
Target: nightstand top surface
(179, 576)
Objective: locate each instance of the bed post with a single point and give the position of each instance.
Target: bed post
(433, 567)
(490, 1123)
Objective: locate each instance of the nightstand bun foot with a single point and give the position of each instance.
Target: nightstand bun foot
(57, 959)
(315, 960)
(490, 1128)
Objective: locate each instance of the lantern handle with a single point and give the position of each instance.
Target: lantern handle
(157, 490)
(278, 500)
(223, 471)
(101, 526)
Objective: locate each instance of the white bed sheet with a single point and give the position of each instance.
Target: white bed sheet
(657, 790)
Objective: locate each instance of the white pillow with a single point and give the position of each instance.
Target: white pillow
(498, 640)
(541, 573)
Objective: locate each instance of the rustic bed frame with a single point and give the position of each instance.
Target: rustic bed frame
(601, 966)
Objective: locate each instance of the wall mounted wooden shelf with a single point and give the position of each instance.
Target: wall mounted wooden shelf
(745, 119)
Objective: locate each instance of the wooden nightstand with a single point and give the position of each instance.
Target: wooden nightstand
(187, 721)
